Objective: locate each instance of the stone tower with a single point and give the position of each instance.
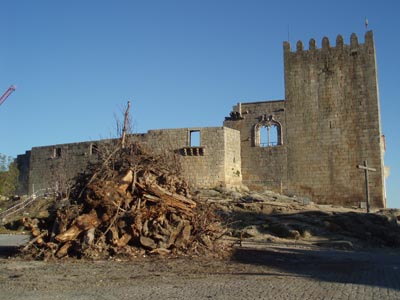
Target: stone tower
(332, 106)
(328, 123)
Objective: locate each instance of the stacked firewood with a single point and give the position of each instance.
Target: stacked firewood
(131, 202)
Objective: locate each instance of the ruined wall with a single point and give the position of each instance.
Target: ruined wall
(203, 165)
(215, 161)
(263, 166)
(333, 121)
(55, 166)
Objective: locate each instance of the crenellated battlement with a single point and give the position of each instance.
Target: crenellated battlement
(325, 44)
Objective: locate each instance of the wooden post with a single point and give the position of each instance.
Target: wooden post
(366, 169)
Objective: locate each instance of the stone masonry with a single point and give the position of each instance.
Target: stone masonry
(308, 144)
(333, 112)
(327, 125)
(205, 165)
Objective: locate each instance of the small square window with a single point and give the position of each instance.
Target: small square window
(57, 153)
(94, 149)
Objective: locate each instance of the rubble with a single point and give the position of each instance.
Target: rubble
(268, 217)
(131, 202)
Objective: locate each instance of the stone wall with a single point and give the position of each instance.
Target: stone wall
(263, 166)
(55, 166)
(233, 162)
(333, 121)
(209, 164)
(204, 165)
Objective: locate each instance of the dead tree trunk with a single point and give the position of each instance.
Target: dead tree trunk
(125, 128)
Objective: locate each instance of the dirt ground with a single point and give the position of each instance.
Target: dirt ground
(255, 271)
(283, 248)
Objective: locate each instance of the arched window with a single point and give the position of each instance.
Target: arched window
(267, 133)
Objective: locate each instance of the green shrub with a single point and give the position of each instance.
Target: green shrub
(8, 176)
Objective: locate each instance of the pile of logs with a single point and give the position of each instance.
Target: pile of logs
(131, 202)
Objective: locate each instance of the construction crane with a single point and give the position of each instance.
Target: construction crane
(7, 93)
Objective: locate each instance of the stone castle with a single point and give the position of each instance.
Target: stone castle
(308, 144)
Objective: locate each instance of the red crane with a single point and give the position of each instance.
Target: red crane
(7, 93)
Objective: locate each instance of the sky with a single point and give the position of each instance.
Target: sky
(181, 63)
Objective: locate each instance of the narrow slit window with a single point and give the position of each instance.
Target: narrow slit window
(195, 138)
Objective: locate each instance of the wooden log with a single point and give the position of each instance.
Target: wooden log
(174, 233)
(145, 228)
(207, 241)
(184, 236)
(137, 225)
(114, 234)
(123, 188)
(69, 235)
(128, 177)
(147, 242)
(63, 251)
(87, 221)
(179, 202)
(164, 231)
(35, 231)
(89, 236)
(174, 199)
(160, 251)
(159, 237)
(32, 225)
(123, 241)
(38, 239)
(151, 198)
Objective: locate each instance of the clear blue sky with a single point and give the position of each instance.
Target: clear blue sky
(181, 63)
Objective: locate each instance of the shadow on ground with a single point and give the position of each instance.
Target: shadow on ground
(362, 231)
(7, 251)
(362, 268)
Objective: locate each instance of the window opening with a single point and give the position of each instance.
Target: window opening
(269, 135)
(194, 138)
(94, 149)
(273, 135)
(57, 152)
